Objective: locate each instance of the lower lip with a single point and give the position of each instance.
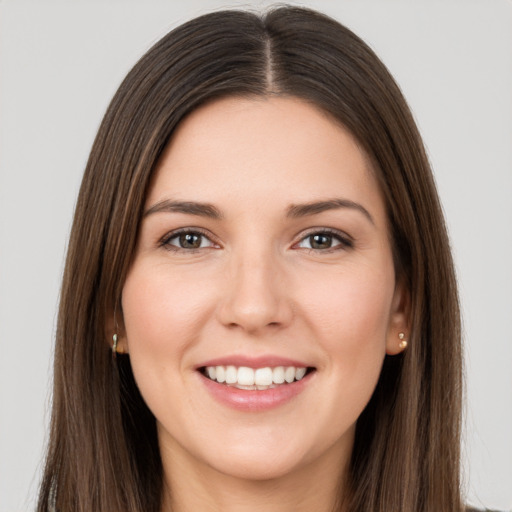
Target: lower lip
(254, 400)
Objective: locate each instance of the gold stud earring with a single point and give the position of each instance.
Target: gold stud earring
(403, 341)
(114, 345)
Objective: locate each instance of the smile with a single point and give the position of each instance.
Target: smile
(250, 379)
(255, 384)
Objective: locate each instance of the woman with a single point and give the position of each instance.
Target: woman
(259, 309)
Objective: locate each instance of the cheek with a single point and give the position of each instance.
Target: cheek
(352, 304)
(163, 310)
(349, 312)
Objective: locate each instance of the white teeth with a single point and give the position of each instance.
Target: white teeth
(231, 376)
(240, 386)
(221, 374)
(299, 373)
(289, 374)
(278, 375)
(263, 377)
(244, 377)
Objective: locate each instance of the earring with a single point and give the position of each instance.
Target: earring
(114, 345)
(115, 337)
(403, 341)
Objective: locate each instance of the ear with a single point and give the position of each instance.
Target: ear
(399, 320)
(114, 325)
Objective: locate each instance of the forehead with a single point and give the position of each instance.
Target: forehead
(271, 149)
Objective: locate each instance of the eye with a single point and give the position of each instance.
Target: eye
(324, 240)
(187, 240)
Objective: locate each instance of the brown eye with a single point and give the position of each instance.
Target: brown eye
(187, 240)
(325, 240)
(320, 241)
(190, 240)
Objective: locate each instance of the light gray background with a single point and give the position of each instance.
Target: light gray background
(62, 61)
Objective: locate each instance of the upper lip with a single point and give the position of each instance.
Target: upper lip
(253, 362)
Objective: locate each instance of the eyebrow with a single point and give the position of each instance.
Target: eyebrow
(294, 211)
(316, 207)
(189, 207)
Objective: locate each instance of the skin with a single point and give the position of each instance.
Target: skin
(257, 287)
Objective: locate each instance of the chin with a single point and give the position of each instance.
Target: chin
(257, 470)
(263, 461)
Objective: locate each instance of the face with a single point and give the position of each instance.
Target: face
(262, 298)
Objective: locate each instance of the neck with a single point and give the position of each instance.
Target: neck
(318, 486)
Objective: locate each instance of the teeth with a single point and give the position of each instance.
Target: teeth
(259, 378)
(299, 373)
(231, 375)
(263, 377)
(278, 375)
(221, 374)
(245, 376)
(289, 374)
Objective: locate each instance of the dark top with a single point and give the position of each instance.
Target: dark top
(471, 509)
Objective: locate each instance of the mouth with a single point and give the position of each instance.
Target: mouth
(255, 379)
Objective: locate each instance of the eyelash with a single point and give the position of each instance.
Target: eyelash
(165, 242)
(345, 242)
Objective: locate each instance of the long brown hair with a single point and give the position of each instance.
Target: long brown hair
(103, 452)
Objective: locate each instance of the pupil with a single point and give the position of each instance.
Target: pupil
(320, 241)
(190, 241)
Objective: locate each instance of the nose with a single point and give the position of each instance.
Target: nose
(256, 298)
